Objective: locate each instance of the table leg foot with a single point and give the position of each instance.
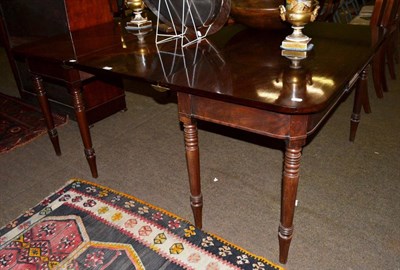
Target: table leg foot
(91, 159)
(355, 120)
(44, 105)
(285, 237)
(196, 204)
(84, 129)
(193, 167)
(53, 135)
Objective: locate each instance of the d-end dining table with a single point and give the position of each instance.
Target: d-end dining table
(240, 77)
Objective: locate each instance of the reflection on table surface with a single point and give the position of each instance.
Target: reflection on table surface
(242, 65)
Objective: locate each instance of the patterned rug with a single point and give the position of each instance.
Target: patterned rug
(21, 123)
(88, 226)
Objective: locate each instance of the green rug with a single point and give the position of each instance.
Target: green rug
(87, 226)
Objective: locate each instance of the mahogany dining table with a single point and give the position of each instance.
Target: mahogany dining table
(240, 77)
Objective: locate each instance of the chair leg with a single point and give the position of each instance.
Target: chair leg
(360, 100)
(390, 57)
(365, 99)
(390, 62)
(384, 80)
(396, 42)
(383, 69)
(376, 75)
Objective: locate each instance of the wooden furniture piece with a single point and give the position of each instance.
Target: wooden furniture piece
(238, 78)
(47, 61)
(38, 40)
(361, 99)
(392, 26)
(383, 26)
(31, 22)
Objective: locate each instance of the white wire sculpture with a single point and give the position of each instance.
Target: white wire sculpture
(177, 56)
(180, 30)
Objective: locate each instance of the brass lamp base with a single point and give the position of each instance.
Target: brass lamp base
(297, 45)
(132, 25)
(298, 55)
(297, 40)
(295, 57)
(137, 21)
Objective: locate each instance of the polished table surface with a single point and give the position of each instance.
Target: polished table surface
(243, 66)
(239, 78)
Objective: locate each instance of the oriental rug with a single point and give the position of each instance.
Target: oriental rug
(88, 226)
(21, 123)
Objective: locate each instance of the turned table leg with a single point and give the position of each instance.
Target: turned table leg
(84, 129)
(361, 99)
(44, 105)
(193, 167)
(289, 191)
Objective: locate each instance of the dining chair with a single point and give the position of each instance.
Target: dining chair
(384, 26)
(361, 99)
(328, 10)
(383, 30)
(393, 40)
(392, 26)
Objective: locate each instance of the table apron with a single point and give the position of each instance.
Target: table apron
(268, 123)
(57, 72)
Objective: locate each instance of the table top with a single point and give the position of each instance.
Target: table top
(237, 64)
(75, 44)
(245, 66)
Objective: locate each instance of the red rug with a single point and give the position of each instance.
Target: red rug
(87, 226)
(21, 123)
